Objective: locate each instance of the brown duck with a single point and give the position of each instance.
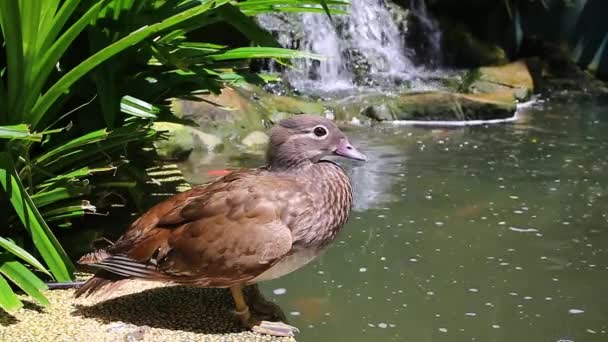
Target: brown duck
(243, 228)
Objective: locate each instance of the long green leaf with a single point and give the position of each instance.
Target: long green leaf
(8, 298)
(25, 279)
(51, 56)
(30, 21)
(3, 97)
(261, 52)
(247, 26)
(45, 241)
(21, 253)
(47, 14)
(82, 172)
(21, 131)
(60, 193)
(64, 84)
(10, 22)
(58, 20)
(89, 138)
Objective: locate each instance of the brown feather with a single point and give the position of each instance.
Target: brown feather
(102, 283)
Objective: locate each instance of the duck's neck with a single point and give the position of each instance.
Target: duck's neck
(289, 165)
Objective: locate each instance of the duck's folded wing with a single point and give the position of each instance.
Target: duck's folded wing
(221, 238)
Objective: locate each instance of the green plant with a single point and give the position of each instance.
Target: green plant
(54, 158)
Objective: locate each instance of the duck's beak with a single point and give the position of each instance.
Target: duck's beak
(345, 149)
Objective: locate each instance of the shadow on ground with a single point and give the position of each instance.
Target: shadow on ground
(7, 319)
(197, 310)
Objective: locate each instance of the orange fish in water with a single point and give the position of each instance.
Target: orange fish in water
(219, 172)
(312, 308)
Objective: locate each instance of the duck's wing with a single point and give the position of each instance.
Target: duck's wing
(221, 234)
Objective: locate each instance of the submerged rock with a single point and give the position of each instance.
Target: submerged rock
(182, 139)
(238, 111)
(442, 106)
(513, 77)
(256, 140)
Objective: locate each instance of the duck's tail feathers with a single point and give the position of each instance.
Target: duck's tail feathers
(102, 283)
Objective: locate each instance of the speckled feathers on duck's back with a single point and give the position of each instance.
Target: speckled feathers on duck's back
(248, 226)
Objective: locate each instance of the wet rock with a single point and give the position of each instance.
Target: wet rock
(255, 140)
(380, 112)
(238, 111)
(182, 139)
(440, 106)
(513, 77)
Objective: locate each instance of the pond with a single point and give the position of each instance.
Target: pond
(486, 233)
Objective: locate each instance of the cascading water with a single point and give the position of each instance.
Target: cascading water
(429, 28)
(363, 47)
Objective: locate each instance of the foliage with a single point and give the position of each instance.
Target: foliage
(122, 59)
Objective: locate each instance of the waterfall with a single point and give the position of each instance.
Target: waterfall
(430, 30)
(364, 47)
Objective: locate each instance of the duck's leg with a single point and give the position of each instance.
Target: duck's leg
(261, 306)
(263, 327)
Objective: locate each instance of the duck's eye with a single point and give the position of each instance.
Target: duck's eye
(320, 131)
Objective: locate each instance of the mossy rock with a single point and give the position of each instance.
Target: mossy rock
(513, 77)
(238, 111)
(438, 106)
(182, 139)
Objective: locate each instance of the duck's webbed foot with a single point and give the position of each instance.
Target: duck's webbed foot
(275, 329)
(262, 308)
(261, 327)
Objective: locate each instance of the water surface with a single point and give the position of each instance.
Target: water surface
(488, 233)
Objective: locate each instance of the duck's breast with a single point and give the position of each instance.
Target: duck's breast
(288, 264)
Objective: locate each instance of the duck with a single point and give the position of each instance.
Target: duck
(246, 227)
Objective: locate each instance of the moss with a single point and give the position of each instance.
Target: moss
(514, 77)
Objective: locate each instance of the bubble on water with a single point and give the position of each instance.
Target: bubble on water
(363, 270)
(279, 291)
(591, 331)
(382, 325)
(443, 330)
(575, 311)
(413, 260)
(523, 230)
(470, 314)
(495, 326)
(473, 290)
(295, 313)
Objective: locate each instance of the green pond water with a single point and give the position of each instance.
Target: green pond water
(486, 233)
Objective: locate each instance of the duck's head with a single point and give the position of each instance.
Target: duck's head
(307, 138)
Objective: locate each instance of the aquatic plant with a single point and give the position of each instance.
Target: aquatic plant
(80, 84)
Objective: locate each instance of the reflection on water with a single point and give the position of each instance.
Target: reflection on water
(494, 233)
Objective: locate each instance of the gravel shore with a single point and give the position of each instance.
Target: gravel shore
(140, 311)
